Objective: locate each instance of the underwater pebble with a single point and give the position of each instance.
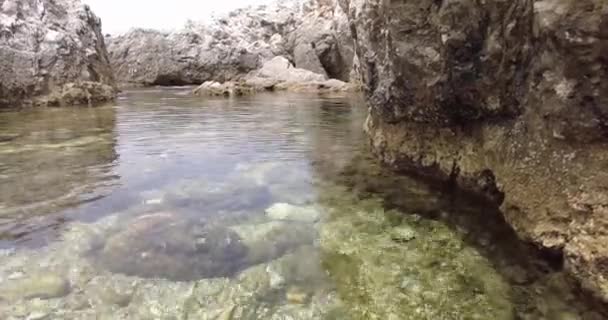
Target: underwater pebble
(403, 233)
(285, 211)
(37, 316)
(15, 275)
(276, 280)
(411, 285)
(296, 295)
(110, 296)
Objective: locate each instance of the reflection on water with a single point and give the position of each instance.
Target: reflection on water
(267, 207)
(51, 160)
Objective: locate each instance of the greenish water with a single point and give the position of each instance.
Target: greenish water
(166, 206)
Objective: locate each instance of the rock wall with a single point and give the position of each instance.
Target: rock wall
(308, 32)
(507, 99)
(52, 53)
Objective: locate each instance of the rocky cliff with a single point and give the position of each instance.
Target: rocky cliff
(52, 53)
(313, 34)
(507, 99)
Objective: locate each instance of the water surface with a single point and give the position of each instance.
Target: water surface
(166, 206)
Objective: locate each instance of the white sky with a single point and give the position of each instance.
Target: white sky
(120, 15)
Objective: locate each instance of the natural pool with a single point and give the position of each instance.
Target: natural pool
(167, 206)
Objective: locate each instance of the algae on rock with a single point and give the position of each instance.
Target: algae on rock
(383, 271)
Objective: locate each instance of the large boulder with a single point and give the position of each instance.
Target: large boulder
(322, 42)
(508, 99)
(52, 53)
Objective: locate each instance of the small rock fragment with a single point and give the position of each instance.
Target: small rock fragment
(288, 212)
(296, 295)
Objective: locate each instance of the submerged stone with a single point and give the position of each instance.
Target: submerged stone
(41, 286)
(301, 292)
(162, 246)
(269, 241)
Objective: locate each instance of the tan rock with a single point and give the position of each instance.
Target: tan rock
(514, 110)
(42, 286)
(296, 295)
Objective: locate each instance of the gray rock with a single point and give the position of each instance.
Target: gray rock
(305, 57)
(279, 69)
(277, 74)
(280, 75)
(314, 34)
(224, 50)
(52, 53)
(227, 89)
(322, 41)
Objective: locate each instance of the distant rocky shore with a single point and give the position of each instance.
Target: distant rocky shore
(312, 35)
(69, 62)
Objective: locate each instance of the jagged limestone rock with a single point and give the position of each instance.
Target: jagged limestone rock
(228, 48)
(52, 53)
(508, 100)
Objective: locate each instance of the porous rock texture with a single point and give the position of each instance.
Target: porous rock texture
(277, 74)
(314, 34)
(52, 53)
(508, 99)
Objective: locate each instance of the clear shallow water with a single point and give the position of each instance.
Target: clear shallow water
(269, 207)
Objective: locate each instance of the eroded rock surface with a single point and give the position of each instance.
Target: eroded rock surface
(506, 99)
(52, 53)
(313, 34)
(277, 74)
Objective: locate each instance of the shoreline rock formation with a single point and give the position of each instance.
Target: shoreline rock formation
(277, 74)
(508, 100)
(53, 53)
(312, 34)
